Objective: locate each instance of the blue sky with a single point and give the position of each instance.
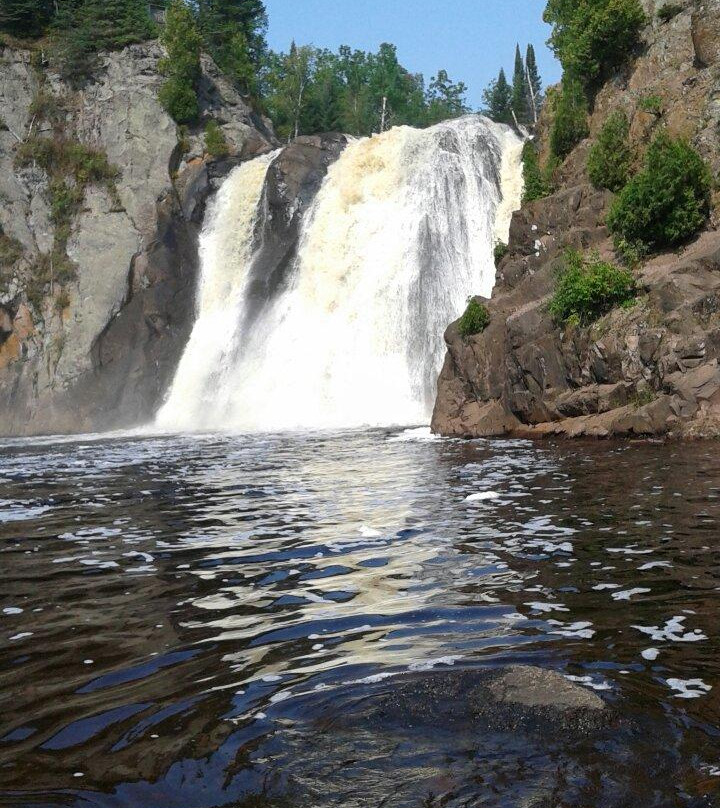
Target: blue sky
(470, 39)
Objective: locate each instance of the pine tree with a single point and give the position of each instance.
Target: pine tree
(533, 84)
(498, 99)
(519, 90)
(91, 26)
(183, 42)
(222, 20)
(25, 18)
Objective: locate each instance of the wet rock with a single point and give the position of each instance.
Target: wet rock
(517, 698)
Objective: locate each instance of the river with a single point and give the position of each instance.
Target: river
(179, 616)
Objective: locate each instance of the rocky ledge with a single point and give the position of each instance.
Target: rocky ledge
(652, 369)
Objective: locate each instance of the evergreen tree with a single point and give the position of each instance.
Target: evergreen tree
(234, 34)
(520, 90)
(25, 18)
(183, 42)
(534, 83)
(89, 27)
(498, 99)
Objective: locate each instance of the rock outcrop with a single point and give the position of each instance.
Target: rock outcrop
(647, 370)
(97, 350)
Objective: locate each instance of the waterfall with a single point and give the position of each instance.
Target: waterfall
(399, 235)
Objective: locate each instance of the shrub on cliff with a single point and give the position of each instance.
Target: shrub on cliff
(668, 201)
(587, 288)
(592, 39)
(475, 319)
(183, 43)
(536, 184)
(611, 157)
(215, 142)
(570, 114)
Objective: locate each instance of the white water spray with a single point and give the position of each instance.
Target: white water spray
(399, 235)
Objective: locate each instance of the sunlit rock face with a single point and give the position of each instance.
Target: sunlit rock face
(104, 355)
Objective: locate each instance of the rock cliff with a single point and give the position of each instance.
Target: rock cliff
(647, 370)
(91, 330)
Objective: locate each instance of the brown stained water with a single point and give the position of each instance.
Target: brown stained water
(180, 615)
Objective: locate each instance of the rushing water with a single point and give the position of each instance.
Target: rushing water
(177, 613)
(400, 234)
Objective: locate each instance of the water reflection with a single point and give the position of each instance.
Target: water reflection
(175, 610)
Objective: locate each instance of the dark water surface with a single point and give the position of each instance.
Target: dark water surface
(180, 616)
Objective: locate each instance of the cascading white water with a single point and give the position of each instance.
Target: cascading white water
(399, 235)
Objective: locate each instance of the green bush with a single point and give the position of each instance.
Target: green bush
(668, 11)
(182, 41)
(215, 142)
(611, 157)
(536, 185)
(475, 319)
(592, 38)
(500, 251)
(587, 288)
(652, 104)
(667, 202)
(570, 118)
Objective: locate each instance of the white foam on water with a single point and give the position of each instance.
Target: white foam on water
(689, 688)
(651, 654)
(673, 631)
(627, 594)
(483, 496)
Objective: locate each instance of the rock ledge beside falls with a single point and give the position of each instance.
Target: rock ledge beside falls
(648, 370)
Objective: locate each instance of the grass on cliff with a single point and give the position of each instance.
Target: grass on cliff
(667, 202)
(475, 319)
(586, 288)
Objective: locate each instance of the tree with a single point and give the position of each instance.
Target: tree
(611, 156)
(570, 124)
(89, 27)
(445, 99)
(668, 201)
(182, 41)
(221, 20)
(592, 39)
(520, 109)
(25, 18)
(498, 99)
(534, 83)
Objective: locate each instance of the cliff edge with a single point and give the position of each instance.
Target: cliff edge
(649, 369)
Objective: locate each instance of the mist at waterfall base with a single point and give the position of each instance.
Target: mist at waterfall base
(400, 234)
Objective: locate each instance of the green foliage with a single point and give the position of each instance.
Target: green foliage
(536, 183)
(215, 142)
(586, 288)
(668, 201)
(475, 319)
(593, 38)
(520, 105)
(86, 28)
(652, 104)
(25, 18)
(668, 11)
(570, 118)
(498, 99)
(500, 251)
(308, 90)
(182, 40)
(611, 157)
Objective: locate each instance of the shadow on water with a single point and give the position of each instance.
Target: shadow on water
(308, 619)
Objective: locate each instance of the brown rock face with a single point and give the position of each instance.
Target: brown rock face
(648, 370)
